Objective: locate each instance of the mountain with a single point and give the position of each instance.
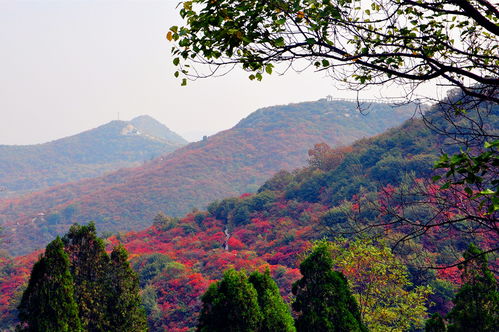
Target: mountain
(154, 129)
(89, 154)
(177, 258)
(231, 162)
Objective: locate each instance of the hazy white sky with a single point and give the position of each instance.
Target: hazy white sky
(68, 66)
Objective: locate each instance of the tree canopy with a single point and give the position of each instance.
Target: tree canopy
(380, 284)
(323, 299)
(89, 266)
(476, 305)
(125, 309)
(48, 302)
(230, 305)
(76, 286)
(356, 41)
(275, 312)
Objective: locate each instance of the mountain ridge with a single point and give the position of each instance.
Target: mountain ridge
(25, 168)
(229, 163)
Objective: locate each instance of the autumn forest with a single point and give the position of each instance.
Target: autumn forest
(332, 215)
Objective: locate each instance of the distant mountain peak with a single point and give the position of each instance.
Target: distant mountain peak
(144, 117)
(146, 124)
(91, 153)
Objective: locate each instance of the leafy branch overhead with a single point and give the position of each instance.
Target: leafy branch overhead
(474, 172)
(356, 41)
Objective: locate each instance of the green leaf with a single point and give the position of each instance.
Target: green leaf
(311, 41)
(281, 21)
(487, 192)
(436, 178)
(268, 69)
(489, 145)
(445, 186)
(279, 42)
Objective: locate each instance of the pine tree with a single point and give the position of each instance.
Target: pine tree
(48, 303)
(230, 305)
(76, 286)
(476, 305)
(125, 310)
(323, 300)
(276, 315)
(89, 265)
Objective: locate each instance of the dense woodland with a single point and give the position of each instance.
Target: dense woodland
(341, 191)
(396, 232)
(232, 162)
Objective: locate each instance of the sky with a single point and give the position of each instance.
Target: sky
(67, 66)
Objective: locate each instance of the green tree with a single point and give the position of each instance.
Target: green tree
(276, 314)
(76, 278)
(380, 284)
(89, 266)
(323, 299)
(476, 305)
(230, 305)
(125, 310)
(48, 303)
(153, 311)
(435, 324)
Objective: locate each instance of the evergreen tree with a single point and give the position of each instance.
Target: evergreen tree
(126, 312)
(48, 302)
(230, 305)
(476, 305)
(323, 300)
(76, 286)
(435, 324)
(89, 266)
(276, 315)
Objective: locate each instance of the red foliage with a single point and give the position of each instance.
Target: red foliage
(273, 239)
(235, 244)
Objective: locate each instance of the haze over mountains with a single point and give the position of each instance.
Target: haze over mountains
(229, 163)
(117, 144)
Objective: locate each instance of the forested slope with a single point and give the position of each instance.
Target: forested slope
(229, 163)
(177, 258)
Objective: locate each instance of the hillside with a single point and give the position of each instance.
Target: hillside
(177, 259)
(232, 162)
(92, 153)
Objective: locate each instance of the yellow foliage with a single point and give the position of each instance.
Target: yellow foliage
(381, 286)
